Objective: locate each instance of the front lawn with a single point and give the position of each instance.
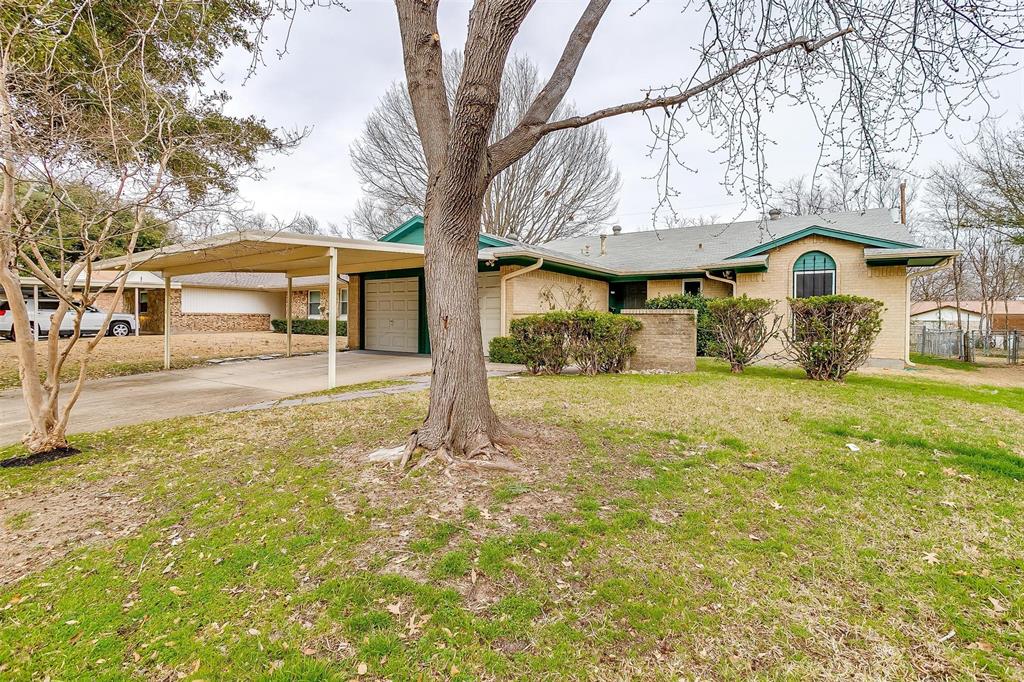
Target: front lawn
(665, 527)
(948, 363)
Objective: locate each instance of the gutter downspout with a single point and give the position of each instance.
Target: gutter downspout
(506, 278)
(912, 276)
(730, 282)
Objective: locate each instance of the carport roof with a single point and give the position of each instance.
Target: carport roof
(295, 255)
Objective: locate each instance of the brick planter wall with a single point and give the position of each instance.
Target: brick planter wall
(667, 341)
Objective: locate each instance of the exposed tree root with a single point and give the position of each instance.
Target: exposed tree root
(485, 453)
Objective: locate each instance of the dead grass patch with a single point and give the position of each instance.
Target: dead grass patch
(38, 528)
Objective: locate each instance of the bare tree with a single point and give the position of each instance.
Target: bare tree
(836, 191)
(566, 186)
(864, 67)
(949, 222)
(105, 129)
(996, 163)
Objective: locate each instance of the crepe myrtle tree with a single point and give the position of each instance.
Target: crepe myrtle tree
(864, 69)
(107, 137)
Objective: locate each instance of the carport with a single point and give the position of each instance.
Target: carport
(294, 255)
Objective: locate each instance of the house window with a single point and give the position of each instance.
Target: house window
(692, 286)
(314, 304)
(143, 302)
(814, 274)
(634, 294)
(344, 303)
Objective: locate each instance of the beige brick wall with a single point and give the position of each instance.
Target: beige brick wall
(541, 291)
(667, 341)
(887, 284)
(355, 339)
(665, 287)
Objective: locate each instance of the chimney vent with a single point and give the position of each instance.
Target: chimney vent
(616, 229)
(604, 245)
(774, 214)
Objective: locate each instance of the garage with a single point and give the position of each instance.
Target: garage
(392, 314)
(489, 291)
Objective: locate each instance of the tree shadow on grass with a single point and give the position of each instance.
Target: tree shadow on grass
(38, 458)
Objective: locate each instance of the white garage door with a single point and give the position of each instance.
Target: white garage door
(392, 314)
(489, 289)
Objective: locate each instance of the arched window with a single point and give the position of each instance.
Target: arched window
(814, 274)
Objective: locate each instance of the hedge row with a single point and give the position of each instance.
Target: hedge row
(306, 326)
(594, 342)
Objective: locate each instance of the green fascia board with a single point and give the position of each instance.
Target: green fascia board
(909, 262)
(820, 231)
(411, 232)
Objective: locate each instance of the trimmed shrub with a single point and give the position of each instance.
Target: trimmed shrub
(305, 326)
(698, 302)
(504, 349)
(541, 339)
(596, 342)
(832, 335)
(741, 327)
(601, 342)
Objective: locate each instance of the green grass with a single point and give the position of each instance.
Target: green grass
(948, 363)
(351, 388)
(705, 525)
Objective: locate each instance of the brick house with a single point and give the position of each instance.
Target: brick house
(994, 316)
(867, 253)
(235, 301)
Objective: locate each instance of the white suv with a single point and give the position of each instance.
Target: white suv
(121, 324)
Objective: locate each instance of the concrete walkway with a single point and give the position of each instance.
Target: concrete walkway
(118, 401)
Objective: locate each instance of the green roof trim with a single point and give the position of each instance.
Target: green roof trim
(411, 232)
(820, 231)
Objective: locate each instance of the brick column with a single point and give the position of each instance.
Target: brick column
(667, 341)
(355, 341)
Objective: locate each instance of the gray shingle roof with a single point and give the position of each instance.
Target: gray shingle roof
(689, 248)
(250, 280)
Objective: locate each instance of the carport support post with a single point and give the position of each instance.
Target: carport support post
(288, 319)
(136, 311)
(332, 321)
(167, 322)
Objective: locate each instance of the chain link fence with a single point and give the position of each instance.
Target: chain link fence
(967, 346)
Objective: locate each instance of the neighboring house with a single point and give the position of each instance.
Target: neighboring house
(1001, 315)
(237, 301)
(211, 302)
(866, 253)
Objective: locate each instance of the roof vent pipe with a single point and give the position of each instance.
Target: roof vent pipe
(774, 214)
(616, 229)
(604, 245)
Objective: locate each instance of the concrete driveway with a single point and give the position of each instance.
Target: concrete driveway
(118, 401)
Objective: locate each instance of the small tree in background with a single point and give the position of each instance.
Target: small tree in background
(832, 335)
(741, 327)
(697, 302)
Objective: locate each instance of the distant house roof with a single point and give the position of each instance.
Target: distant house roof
(1015, 307)
(270, 281)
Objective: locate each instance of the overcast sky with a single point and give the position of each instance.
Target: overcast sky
(339, 63)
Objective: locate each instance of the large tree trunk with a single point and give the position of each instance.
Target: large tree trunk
(460, 419)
